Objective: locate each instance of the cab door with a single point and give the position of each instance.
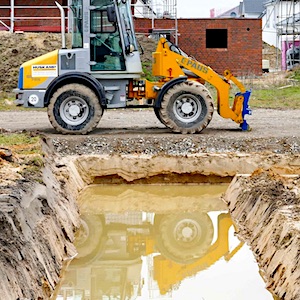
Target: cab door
(105, 41)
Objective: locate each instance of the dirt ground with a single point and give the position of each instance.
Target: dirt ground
(274, 131)
(18, 48)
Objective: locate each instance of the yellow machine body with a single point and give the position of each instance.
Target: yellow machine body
(169, 64)
(38, 72)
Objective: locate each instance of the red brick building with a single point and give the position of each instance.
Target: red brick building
(234, 44)
(32, 15)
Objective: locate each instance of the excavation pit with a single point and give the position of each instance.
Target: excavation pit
(190, 170)
(41, 219)
(145, 241)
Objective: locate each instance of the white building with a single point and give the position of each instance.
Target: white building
(280, 25)
(281, 22)
(246, 9)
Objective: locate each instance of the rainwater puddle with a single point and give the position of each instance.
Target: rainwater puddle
(159, 242)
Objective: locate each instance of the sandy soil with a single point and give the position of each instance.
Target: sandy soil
(18, 48)
(266, 209)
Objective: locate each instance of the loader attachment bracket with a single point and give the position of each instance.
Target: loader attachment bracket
(245, 109)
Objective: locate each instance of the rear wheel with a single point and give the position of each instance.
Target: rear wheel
(187, 107)
(74, 109)
(90, 240)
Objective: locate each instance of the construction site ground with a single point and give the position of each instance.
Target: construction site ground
(120, 151)
(39, 218)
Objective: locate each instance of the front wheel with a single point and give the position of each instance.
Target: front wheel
(187, 107)
(157, 113)
(185, 237)
(74, 109)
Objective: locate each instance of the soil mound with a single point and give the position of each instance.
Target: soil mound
(17, 48)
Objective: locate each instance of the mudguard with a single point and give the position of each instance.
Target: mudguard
(76, 77)
(166, 87)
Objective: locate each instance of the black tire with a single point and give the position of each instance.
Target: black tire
(186, 237)
(187, 107)
(157, 113)
(74, 109)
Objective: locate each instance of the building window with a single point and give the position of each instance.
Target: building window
(216, 38)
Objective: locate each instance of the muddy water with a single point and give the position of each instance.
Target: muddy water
(159, 242)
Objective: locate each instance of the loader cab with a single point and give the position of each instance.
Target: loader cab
(104, 29)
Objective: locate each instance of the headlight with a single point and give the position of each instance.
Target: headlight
(33, 99)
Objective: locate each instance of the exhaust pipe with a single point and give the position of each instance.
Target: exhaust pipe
(63, 25)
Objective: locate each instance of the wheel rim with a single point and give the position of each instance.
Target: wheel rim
(74, 110)
(187, 231)
(187, 108)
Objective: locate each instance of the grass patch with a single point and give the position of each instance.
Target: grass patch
(21, 143)
(147, 71)
(295, 75)
(26, 152)
(276, 98)
(7, 102)
(280, 92)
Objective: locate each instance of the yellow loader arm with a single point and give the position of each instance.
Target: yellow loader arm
(171, 62)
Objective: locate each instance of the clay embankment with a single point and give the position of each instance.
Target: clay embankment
(266, 208)
(38, 221)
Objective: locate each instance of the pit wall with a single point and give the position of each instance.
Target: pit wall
(199, 168)
(265, 207)
(38, 222)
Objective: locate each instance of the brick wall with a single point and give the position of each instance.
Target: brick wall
(243, 54)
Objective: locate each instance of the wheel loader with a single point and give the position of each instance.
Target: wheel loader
(103, 70)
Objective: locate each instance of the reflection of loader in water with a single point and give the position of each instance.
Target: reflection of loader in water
(110, 246)
(168, 273)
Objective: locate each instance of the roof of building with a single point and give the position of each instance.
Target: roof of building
(231, 13)
(253, 6)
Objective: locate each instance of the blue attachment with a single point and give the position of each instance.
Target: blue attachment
(21, 77)
(246, 110)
